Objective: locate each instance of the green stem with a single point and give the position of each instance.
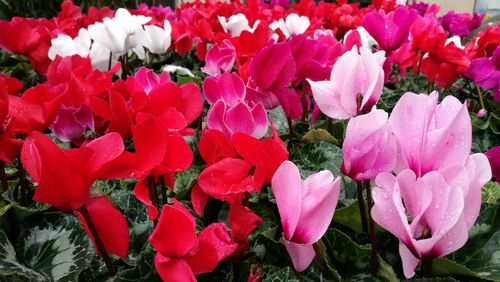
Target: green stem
(361, 204)
(97, 240)
(373, 232)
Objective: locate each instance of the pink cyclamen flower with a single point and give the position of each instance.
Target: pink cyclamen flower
(71, 124)
(230, 113)
(369, 146)
(354, 76)
(431, 136)
(306, 209)
(392, 30)
(148, 79)
(219, 58)
(431, 215)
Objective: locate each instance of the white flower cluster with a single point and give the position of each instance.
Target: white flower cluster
(104, 42)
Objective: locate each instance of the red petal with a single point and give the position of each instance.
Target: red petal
(9, 147)
(175, 235)
(110, 225)
(215, 146)
(217, 235)
(242, 221)
(150, 141)
(60, 181)
(106, 149)
(191, 104)
(141, 192)
(198, 199)
(205, 258)
(178, 155)
(175, 270)
(227, 180)
(121, 120)
(248, 147)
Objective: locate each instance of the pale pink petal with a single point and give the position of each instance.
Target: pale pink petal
(450, 142)
(328, 99)
(409, 121)
(260, 121)
(318, 206)
(388, 210)
(301, 255)
(410, 262)
(287, 189)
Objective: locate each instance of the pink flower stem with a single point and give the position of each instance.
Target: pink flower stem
(3, 177)
(373, 232)
(98, 242)
(361, 204)
(153, 195)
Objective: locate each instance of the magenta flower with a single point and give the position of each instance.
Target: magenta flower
(354, 76)
(219, 58)
(494, 158)
(272, 69)
(430, 136)
(230, 113)
(148, 79)
(485, 72)
(71, 124)
(311, 58)
(306, 209)
(461, 24)
(390, 31)
(431, 215)
(369, 147)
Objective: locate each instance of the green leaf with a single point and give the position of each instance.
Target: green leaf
(278, 118)
(144, 270)
(491, 192)
(316, 156)
(288, 274)
(444, 266)
(351, 260)
(270, 250)
(349, 217)
(9, 264)
(22, 212)
(50, 248)
(184, 181)
(481, 253)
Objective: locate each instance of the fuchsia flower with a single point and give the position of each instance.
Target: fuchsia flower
(220, 57)
(230, 113)
(430, 136)
(354, 76)
(306, 209)
(148, 79)
(486, 73)
(494, 158)
(392, 30)
(461, 24)
(442, 207)
(71, 124)
(369, 146)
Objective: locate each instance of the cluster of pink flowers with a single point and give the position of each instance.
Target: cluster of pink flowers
(330, 59)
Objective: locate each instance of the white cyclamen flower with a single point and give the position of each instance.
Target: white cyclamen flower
(236, 24)
(155, 39)
(292, 25)
(63, 45)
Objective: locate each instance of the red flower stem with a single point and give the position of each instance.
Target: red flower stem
(97, 241)
(164, 198)
(3, 177)
(246, 199)
(361, 204)
(373, 232)
(153, 195)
